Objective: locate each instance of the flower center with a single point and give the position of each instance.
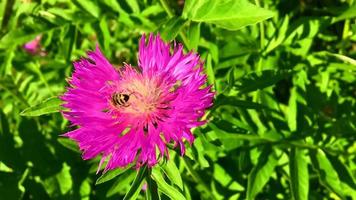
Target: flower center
(138, 96)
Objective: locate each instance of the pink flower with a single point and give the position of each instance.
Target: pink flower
(34, 47)
(131, 114)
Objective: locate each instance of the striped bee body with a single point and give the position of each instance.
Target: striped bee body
(120, 99)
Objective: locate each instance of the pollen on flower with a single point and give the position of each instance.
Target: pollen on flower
(132, 114)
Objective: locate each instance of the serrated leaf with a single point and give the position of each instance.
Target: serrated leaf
(50, 105)
(282, 30)
(299, 175)
(326, 172)
(164, 187)
(261, 173)
(228, 14)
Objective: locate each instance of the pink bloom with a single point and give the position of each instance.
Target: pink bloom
(34, 46)
(144, 187)
(131, 114)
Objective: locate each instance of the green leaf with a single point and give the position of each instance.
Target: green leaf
(281, 30)
(90, 6)
(111, 174)
(228, 14)
(136, 185)
(210, 70)
(173, 173)
(9, 186)
(60, 182)
(342, 170)
(326, 172)
(69, 144)
(105, 37)
(164, 187)
(224, 178)
(50, 105)
(299, 175)
(85, 189)
(222, 134)
(133, 5)
(347, 14)
(171, 28)
(121, 184)
(259, 80)
(261, 173)
(193, 36)
(292, 110)
(7, 83)
(344, 58)
(72, 34)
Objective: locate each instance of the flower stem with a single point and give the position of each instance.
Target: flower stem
(152, 188)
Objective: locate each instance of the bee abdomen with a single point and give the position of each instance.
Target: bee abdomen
(120, 99)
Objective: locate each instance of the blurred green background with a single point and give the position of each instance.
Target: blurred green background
(283, 124)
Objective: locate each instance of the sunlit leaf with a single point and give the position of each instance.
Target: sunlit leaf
(326, 172)
(173, 173)
(111, 174)
(261, 173)
(164, 187)
(299, 175)
(229, 14)
(171, 28)
(50, 105)
(347, 14)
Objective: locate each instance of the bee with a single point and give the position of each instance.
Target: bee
(120, 99)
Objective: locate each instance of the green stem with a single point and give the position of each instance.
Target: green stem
(170, 15)
(166, 8)
(345, 33)
(197, 178)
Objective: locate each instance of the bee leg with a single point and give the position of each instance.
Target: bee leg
(126, 105)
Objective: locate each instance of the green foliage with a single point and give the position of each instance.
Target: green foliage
(282, 125)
